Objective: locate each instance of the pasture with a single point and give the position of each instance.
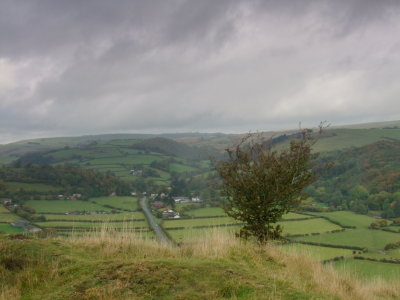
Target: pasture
(317, 225)
(8, 217)
(192, 235)
(371, 239)
(7, 228)
(60, 224)
(128, 203)
(3, 209)
(35, 187)
(63, 206)
(369, 270)
(188, 223)
(99, 217)
(347, 218)
(317, 252)
(204, 212)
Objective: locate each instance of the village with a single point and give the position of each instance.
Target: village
(165, 208)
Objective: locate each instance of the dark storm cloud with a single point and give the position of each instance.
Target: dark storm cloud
(77, 67)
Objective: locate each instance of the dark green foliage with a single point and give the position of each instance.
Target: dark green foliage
(362, 179)
(261, 184)
(378, 224)
(391, 246)
(70, 179)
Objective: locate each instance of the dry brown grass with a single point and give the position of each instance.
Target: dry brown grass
(299, 272)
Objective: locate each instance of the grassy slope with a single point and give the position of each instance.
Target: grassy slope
(111, 267)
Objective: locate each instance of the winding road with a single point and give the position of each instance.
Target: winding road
(157, 229)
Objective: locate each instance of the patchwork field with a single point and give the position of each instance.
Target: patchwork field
(51, 224)
(8, 217)
(36, 187)
(317, 225)
(205, 212)
(3, 209)
(370, 269)
(128, 203)
(371, 239)
(102, 217)
(7, 228)
(188, 223)
(317, 252)
(347, 218)
(63, 206)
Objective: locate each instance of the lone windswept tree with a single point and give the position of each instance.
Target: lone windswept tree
(261, 183)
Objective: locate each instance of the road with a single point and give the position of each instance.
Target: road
(158, 231)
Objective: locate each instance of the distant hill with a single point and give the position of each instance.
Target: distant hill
(170, 147)
(335, 138)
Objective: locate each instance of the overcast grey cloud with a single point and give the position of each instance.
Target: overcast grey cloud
(98, 66)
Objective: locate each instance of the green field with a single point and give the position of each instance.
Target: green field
(7, 228)
(99, 217)
(370, 269)
(308, 226)
(129, 203)
(8, 217)
(205, 212)
(127, 224)
(291, 215)
(346, 138)
(174, 167)
(198, 234)
(3, 209)
(129, 160)
(187, 223)
(348, 218)
(371, 239)
(316, 252)
(63, 206)
(35, 187)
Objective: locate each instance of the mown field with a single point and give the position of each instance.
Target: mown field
(370, 269)
(64, 206)
(7, 228)
(35, 187)
(123, 216)
(70, 216)
(347, 218)
(125, 203)
(8, 217)
(93, 225)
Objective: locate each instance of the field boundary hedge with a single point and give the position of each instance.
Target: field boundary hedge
(383, 260)
(203, 226)
(315, 233)
(330, 245)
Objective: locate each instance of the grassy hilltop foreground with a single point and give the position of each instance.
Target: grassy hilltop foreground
(110, 266)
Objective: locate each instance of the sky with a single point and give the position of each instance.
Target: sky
(78, 67)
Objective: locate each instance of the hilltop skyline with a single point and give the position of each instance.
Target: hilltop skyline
(70, 68)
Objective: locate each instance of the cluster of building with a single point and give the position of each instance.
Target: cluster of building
(187, 199)
(72, 197)
(87, 213)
